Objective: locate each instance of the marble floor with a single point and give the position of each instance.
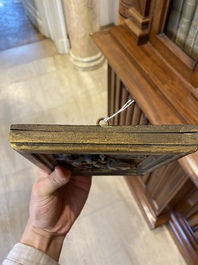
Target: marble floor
(37, 85)
(15, 28)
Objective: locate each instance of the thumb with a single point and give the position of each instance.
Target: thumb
(58, 178)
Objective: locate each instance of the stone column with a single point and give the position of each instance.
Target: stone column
(83, 18)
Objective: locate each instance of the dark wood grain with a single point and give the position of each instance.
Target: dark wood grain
(139, 20)
(124, 6)
(140, 88)
(184, 223)
(163, 80)
(181, 62)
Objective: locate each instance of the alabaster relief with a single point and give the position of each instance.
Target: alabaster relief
(99, 163)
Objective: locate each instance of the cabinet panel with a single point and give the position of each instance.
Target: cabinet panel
(118, 95)
(183, 63)
(169, 182)
(161, 97)
(158, 189)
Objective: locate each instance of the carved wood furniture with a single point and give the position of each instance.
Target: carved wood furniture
(143, 63)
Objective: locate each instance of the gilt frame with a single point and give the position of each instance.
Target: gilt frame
(103, 150)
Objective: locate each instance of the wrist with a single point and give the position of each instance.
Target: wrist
(42, 240)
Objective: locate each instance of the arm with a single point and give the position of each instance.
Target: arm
(56, 202)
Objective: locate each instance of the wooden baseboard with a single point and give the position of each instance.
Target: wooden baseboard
(183, 239)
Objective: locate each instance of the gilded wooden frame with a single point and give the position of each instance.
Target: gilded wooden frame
(103, 150)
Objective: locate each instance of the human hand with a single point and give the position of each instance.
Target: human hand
(56, 201)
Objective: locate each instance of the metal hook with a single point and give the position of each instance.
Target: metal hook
(106, 123)
(106, 120)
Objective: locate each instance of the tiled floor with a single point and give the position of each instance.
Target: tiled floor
(15, 28)
(39, 86)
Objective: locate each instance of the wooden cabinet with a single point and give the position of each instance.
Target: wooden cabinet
(183, 226)
(144, 64)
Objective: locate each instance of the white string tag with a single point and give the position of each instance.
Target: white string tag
(125, 106)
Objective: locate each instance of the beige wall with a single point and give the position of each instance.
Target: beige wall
(108, 11)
